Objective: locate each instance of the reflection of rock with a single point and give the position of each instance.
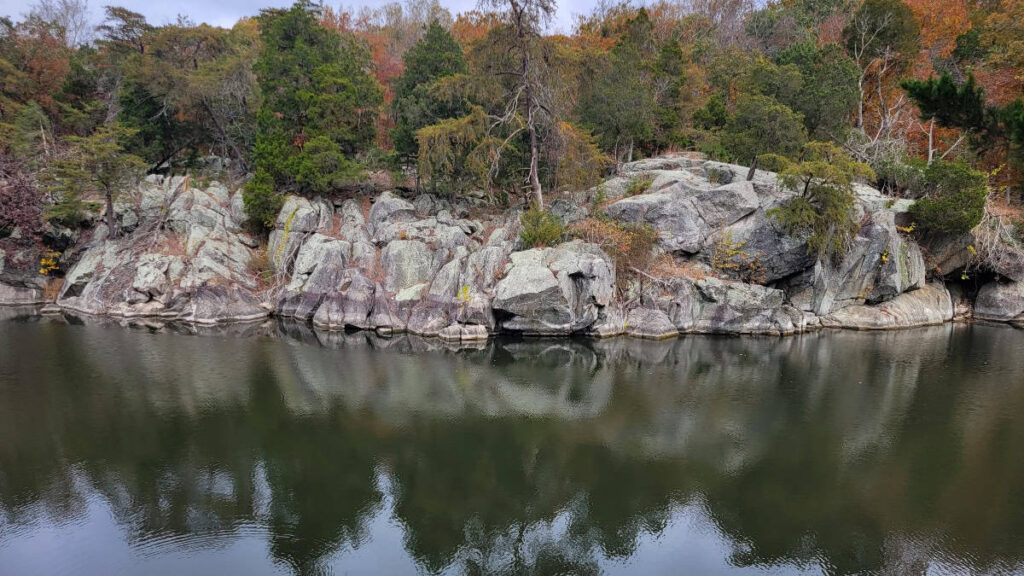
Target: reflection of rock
(475, 454)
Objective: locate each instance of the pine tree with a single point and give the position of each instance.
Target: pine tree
(319, 109)
(436, 55)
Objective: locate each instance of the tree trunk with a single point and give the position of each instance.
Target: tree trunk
(860, 102)
(111, 221)
(538, 195)
(931, 140)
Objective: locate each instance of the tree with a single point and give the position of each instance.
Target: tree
(760, 125)
(71, 17)
(951, 105)
(620, 104)
(20, 203)
(880, 32)
(436, 55)
(97, 164)
(823, 208)
(828, 89)
(192, 89)
(316, 90)
(526, 100)
(941, 100)
(954, 198)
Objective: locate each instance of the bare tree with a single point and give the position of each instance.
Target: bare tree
(72, 17)
(525, 20)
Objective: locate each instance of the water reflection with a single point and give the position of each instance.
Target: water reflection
(843, 453)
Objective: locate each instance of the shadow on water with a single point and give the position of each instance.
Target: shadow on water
(837, 452)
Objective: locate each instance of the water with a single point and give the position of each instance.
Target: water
(278, 451)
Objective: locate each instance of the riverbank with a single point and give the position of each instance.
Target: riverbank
(457, 270)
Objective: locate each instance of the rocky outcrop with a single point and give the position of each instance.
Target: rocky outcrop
(686, 213)
(421, 265)
(554, 291)
(187, 259)
(1001, 302)
(925, 307)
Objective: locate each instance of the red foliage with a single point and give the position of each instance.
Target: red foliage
(21, 205)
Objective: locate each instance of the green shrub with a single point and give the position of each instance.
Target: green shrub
(262, 202)
(900, 175)
(823, 208)
(540, 228)
(638, 185)
(953, 198)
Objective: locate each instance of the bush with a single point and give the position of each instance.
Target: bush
(539, 228)
(823, 208)
(953, 199)
(900, 176)
(630, 245)
(262, 202)
(638, 185)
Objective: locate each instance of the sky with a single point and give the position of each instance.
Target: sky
(227, 12)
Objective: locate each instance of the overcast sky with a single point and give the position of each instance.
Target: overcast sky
(227, 12)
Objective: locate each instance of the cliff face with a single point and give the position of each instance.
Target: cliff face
(426, 266)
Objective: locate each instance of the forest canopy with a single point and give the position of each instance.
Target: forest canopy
(318, 100)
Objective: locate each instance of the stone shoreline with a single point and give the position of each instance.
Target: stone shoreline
(456, 270)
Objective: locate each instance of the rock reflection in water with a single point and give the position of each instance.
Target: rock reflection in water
(837, 452)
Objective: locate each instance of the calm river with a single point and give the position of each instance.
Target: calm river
(277, 450)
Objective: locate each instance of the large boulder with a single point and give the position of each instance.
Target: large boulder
(1001, 302)
(715, 306)
(406, 263)
(299, 217)
(879, 265)
(928, 306)
(554, 291)
(685, 216)
(13, 295)
(348, 304)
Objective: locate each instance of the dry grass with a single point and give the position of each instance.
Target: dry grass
(666, 266)
(630, 245)
(52, 289)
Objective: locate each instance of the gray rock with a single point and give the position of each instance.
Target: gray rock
(715, 306)
(299, 217)
(193, 270)
(406, 263)
(349, 304)
(568, 211)
(879, 266)
(765, 250)
(685, 218)
(390, 209)
(927, 306)
(1000, 302)
(554, 290)
(11, 295)
(650, 323)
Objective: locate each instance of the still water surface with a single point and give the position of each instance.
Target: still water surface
(279, 451)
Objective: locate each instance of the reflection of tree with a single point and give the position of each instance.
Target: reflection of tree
(856, 452)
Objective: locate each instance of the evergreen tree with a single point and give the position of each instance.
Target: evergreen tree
(436, 55)
(319, 109)
(620, 105)
(951, 105)
(96, 165)
(828, 88)
(763, 125)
